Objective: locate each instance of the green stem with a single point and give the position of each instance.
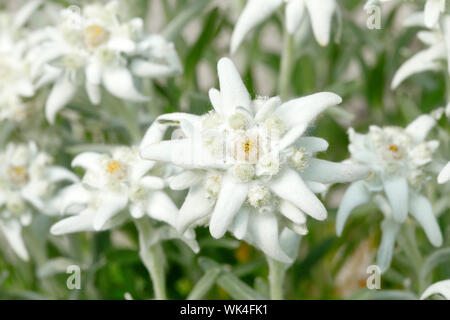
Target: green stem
(276, 278)
(153, 258)
(286, 65)
(407, 241)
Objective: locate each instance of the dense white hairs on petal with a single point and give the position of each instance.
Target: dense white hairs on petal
(239, 226)
(291, 212)
(290, 242)
(425, 60)
(56, 173)
(420, 127)
(231, 197)
(162, 208)
(289, 186)
(389, 229)
(216, 100)
(144, 68)
(62, 92)
(321, 14)
(73, 195)
(196, 206)
(111, 204)
(306, 109)
(119, 82)
(312, 144)
(444, 176)
(254, 13)
(12, 230)
(232, 89)
(433, 9)
(332, 172)
(356, 195)
(292, 135)
(184, 180)
(420, 208)
(441, 287)
(294, 11)
(263, 229)
(396, 189)
(78, 223)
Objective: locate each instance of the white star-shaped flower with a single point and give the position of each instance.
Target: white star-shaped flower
(397, 158)
(247, 165)
(114, 187)
(27, 183)
(320, 14)
(96, 48)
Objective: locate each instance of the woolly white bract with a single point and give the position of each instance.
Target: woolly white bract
(247, 165)
(397, 159)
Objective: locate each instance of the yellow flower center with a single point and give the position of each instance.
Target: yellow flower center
(113, 166)
(95, 35)
(393, 147)
(18, 174)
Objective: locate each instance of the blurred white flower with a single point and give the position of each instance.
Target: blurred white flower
(442, 288)
(97, 49)
(397, 158)
(247, 166)
(430, 59)
(256, 11)
(27, 183)
(114, 185)
(16, 81)
(432, 10)
(444, 176)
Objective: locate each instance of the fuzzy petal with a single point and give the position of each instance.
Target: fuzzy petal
(441, 287)
(232, 90)
(162, 208)
(78, 223)
(290, 186)
(295, 10)
(88, 161)
(196, 206)
(422, 61)
(112, 204)
(253, 14)
(420, 127)
(62, 92)
(389, 229)
(433, 9)
(396, 189)
(356, 195)
(321, 14)
(306, 109)
(312, 144)
(184, 180)
(119, 82)
(328, 172)
(421, 210)
(12, 231)
(231, 198)
(239, 226)
(291, 212)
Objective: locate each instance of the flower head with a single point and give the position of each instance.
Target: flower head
(96, 47)
(114, 184)
(27, 184)
(247, 166)
(397, 159)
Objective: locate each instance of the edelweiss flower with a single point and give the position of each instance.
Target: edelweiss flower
(397, 159)
(247, 166)
(444, 176)
(256, 11)
(27, 181)
(441, 287)
(96, 48)
(430, 59)
(16, 82)
(112, 183)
